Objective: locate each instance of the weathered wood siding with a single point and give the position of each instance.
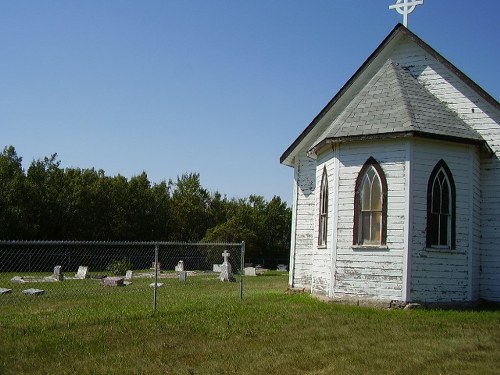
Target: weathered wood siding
(371, 273)
(304, 206)
(445, 275)
(322, 255)
(484, 118)
(469, 272)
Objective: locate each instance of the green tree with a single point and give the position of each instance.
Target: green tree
(49, 198)
(14, 217)
(188, 209)
(264, 226)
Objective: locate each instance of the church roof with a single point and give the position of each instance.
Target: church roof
(414, 106)
(394, 103)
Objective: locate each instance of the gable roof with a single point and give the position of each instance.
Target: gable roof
(393, 102)
(398, 32)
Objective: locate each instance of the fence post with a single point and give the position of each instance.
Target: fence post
(156, 278)
(242, 268)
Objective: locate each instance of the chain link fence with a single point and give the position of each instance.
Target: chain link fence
(72, 269)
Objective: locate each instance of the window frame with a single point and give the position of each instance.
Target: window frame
(430, 230)
(323, 211)
(358, 226)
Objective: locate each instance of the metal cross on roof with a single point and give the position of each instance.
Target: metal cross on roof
(405, 7)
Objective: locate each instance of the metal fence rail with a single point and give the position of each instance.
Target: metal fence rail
(83, 267)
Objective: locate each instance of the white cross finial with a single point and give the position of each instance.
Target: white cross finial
(405, 7)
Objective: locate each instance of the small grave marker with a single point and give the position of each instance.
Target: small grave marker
(152, 285)
(154, 265)
(217, 268)
(129, 275)
(5, 291)
(82, 272)
(58, 274)
(250, 271)
(17, 279)
(182, 276)
(34, 292)
(112, 281)
(180, 266)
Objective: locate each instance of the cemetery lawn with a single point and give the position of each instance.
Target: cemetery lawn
(202, 327)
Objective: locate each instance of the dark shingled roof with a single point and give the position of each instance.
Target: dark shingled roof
(393, 102)
(397, 32)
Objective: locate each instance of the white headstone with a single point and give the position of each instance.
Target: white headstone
(180, 266)
(58, 274)
(182, 276)
(217, 268)
(129, 275)
(34, 292)
(5, 291)
(152, 285)
(250, 271)
(82, 272)
(226, 273)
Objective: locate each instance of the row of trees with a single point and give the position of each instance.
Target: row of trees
(47, 202)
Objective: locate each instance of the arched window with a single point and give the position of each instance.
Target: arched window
(323, 210)
(441, 208)
(370, 206)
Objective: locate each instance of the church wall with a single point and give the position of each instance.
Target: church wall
(445, 275)
(363, 272)
(303, 211)
(321, 270)
(485, 119)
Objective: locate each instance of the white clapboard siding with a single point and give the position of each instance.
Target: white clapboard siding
(485, 119)
(437, 273)
(321, 274)
(302, 251)
(406, 269)
(364, 272)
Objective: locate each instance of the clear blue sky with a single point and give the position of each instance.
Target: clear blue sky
(218, 87)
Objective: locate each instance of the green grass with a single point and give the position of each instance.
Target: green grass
(202, 327)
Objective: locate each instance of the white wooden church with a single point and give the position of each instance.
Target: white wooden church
(397, 184)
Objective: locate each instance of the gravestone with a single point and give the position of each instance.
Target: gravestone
(217, 268)
(180, 266)
(82, 272)
(112, 281)
(34, 292)
(17, 279)
(58, 274)
(5, 291)
(129, 275)
(250, 271)
(152, 285)
(282, 267)
(182, 276)
(226, 273)
(153, 266)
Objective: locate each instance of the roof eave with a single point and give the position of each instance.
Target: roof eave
(314, 151)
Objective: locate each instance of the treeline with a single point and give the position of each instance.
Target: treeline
(47, 202)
